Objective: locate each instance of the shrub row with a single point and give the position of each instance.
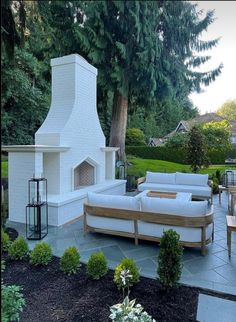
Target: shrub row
(125, 276)
(157, 153)
(177, 155)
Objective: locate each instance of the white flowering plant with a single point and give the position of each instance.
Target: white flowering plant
(125, 278)
(127, 311)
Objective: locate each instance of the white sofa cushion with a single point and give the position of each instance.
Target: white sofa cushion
(191, 179)
(113, 201)
(174, 207)
(204, 191)
(186, 234)
(110, 223)
(157, 177)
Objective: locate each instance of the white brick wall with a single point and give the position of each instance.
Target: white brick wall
(72, 120)
(21, 168)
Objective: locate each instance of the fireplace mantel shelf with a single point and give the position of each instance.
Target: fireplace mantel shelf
(34, 148)
(110, 149)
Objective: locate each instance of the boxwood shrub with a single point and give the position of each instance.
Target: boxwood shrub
(169, 259)
(70, 261)
(5, 241)
(19, 249)
(97, 265)
(41, 254)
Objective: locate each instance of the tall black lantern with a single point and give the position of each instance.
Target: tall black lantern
(37, 209)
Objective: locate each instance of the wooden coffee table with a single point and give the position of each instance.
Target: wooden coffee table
(231, 226)
(185, 196)
(161, 194)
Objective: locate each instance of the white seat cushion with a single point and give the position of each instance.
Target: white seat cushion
(113, 201)
(204, 191)
(174, 207)
(110, 223)
(191, 179)
(157, 177)
(186, 234)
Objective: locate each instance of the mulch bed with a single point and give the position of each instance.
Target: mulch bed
(53, 296)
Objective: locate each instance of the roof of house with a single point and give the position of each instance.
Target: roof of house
(200, 119)
(186, 126)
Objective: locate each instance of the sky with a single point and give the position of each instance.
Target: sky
(224, 87)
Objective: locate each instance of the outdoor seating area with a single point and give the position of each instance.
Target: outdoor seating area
(197, 184)
(146, 217)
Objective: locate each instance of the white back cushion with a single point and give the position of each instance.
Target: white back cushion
(157, 177)
(113, 201)
(191, 179)
(174, 206)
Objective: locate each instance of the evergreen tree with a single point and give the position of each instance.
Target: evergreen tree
(196, 150)
(144, 50)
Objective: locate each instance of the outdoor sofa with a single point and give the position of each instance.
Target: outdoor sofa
(146, 218)
(197, 184)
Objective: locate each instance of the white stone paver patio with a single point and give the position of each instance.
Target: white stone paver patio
(214, 271)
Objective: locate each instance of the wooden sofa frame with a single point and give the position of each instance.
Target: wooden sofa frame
(181, 221)
(210, 184)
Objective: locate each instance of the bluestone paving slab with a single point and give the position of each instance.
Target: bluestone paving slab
(211, 276)
(224, 255)
(113, 253)
(202, 264)
(214, 309)
(148, 266)
(228, 272)
(138, 254)
(214, 248)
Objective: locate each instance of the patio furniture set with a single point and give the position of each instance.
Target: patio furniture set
(146, 215)
(179, 201)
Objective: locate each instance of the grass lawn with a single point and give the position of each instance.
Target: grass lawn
(140, 166)
(4, 169)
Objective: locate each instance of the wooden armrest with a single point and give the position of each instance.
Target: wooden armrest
(141, 180)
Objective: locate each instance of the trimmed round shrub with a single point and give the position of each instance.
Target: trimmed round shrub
(41, 254)
(126, 264)
(70, 261)
(5, 241)
(19, 249)
(169, 259)
(97, 266)
(134, 137)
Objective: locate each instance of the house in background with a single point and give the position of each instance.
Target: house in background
(185, 126)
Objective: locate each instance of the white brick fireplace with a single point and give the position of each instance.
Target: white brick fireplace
(69, 147)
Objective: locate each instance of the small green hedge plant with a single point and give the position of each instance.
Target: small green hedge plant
(19, 249)
(41, 254)
(97, 265)
(126, 265)
(70, 261)
(5, 241)
(12, 302)
(169, 259)
(129, 312)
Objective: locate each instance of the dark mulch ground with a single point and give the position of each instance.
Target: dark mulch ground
(52, 296)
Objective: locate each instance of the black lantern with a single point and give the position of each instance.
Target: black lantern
(37, 209)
